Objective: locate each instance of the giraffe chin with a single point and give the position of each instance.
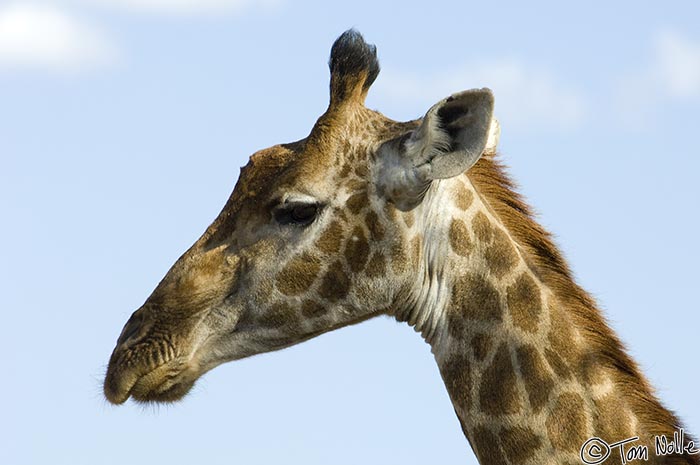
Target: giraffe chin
(152, 388)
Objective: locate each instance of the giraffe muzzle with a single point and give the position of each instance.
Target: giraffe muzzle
(167, 383)
(150, 362)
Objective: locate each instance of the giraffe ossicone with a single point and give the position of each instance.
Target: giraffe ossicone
(369, 216)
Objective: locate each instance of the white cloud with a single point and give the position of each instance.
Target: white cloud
(677, 65)
(42, 37)
(672, 74)
(526, 97)
(180, 7)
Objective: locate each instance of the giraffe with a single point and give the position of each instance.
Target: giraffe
(418, 220)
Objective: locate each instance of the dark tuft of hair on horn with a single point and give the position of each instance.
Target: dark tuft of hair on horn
(351, 57)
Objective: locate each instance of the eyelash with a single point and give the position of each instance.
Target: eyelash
(296, 213)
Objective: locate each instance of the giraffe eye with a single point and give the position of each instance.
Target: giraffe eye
(297, 213)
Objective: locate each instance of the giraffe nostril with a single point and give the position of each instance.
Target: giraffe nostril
(134, 329)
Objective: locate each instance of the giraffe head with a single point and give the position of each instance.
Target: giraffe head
(315, 236)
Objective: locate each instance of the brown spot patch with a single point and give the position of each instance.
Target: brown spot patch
(399, 260)
(519, 443)
(357, 250)
(481, 345)
(501, 255)
(335, 284)
(391, 211)
(376, 266)
(344, 171)
(476, 298)
(612, 423)
(566, 424)
(561, 336)
(483, 231)
(357, 202)
(487, 449)
(460, 241)
(537, 380)
(456, 373)
(298, 275)
(331, 238)
(312, 309)
(278, 315)
(558, 365)
(498, 393)
(375, 227)
(346, 149)
(408, 219)
(457, 324)
(353, 185)
(525, 303)
(416, 243)
(361, 171)
(463, 198)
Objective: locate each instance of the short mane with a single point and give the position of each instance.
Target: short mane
(495, 186)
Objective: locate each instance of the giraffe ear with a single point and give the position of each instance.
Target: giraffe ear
(451, 138)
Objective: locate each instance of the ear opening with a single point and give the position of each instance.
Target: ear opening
(451, 138)
(465, 119)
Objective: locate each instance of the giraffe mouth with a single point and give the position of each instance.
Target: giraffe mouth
(168, 382)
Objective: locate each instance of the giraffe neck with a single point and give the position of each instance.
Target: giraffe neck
(528, 378)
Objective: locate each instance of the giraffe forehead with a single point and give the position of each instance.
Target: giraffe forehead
(321, 152)
(340, 143)
(276, 171)
(264, 168)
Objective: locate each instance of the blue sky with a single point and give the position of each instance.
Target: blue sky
(122, 127)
